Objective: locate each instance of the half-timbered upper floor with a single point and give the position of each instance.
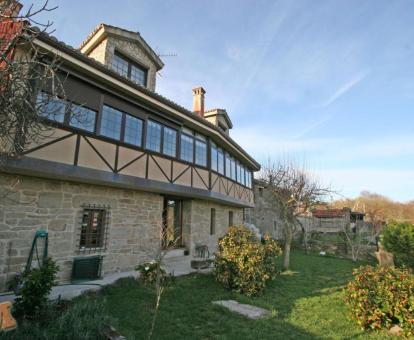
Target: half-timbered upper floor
(109, 129)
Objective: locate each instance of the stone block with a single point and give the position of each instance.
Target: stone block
(50, 200)
(57, 225)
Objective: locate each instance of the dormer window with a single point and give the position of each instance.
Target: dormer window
(127, 68)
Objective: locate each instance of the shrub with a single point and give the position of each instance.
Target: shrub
(148, 273)
(37, 284)
(243, 263)
(82, 319)
(398, 238)
(381, 297)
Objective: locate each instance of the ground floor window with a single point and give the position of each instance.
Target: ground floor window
(172, 223)
(213, 221)
(93, 228)
(230, 218)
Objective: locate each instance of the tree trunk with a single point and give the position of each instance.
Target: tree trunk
(286, 249)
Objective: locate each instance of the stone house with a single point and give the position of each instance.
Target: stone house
(132, 162)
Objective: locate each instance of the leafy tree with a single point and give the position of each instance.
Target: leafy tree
(398, 238)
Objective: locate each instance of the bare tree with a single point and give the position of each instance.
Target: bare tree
(24, 69)
(294, 192)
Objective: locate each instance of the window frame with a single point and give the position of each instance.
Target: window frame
(212, 221)
(131, 63)
(86, 235)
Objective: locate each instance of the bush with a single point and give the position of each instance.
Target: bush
(398, 239)
(243, 263)
(82, 319)
(37, 284)
(148, 273)
(381, 297)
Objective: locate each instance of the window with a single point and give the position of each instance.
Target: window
(138, 75)
(187, 148)
(233, 169)
(212, 221)
(200, 153)
(238, 173)
(153, 136)
(129, 69)
(93, 233)
(260, 192)
(230, 218)
(243, 176)
(169, 142)
(275, 225)
(111, 122)
(228, 166)
(133, 130)
(50, 107)
(120, 65)
(214, 157)
(82, 118)
(220, 161)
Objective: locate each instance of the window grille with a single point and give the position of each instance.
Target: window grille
(93, 232)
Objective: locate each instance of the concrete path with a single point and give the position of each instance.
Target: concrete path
(249, 311)
(175, 265)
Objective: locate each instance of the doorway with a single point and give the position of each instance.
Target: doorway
(173, 223)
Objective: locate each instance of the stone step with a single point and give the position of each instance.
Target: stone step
(174, 253)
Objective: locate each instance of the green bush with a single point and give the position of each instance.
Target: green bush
(37, 284)
(243, 263)
(148, 273)
(82, 319)
(381, 297)
(398, 239)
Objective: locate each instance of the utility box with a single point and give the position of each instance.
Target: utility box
(86, 268)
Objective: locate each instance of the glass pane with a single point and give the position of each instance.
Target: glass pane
(214, 158)
(187, 145)
(201, 153)
(220, 161)
(228, 166)
(170, 142)
(233, 169)
(120, 65)
(138, 75)
(153, 141)
(51, 107)
(82, 118)
(133, 130)
(111, 123)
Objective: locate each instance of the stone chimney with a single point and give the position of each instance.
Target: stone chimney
(198, 101)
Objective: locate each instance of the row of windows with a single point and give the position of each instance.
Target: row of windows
(121, 126)
(225, 164)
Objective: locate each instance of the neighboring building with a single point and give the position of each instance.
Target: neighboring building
(265, 215)
(334, 220)
(131, 161)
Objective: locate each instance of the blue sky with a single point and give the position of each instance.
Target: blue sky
(329, 83)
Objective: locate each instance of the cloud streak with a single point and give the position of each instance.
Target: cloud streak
(356, 79)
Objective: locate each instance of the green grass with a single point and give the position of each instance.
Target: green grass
(306, 303)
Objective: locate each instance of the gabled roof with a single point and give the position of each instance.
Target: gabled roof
(104, 30)
(223, 112)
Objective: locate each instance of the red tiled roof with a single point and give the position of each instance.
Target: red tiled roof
(326, 213)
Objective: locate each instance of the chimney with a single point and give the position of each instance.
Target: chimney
(10, 9)
(198, 101)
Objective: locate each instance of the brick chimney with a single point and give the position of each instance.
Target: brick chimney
(198, 101)
(10, 9)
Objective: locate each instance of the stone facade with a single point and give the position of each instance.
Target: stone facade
(55, 206)
(265, 215)
(197, 219)
(105, 51)
(133, 227)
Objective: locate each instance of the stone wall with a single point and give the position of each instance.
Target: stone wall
(33, 204)
(265, 215)
(197, 219)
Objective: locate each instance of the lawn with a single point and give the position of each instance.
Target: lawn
(306, 303)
